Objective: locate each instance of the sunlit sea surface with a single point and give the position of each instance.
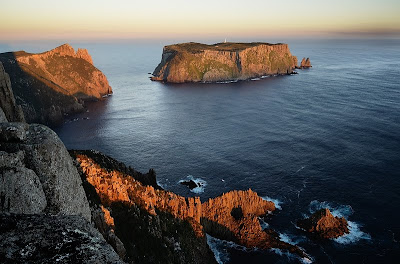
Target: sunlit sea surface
(326, 137)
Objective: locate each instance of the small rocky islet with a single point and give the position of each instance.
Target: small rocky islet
(196, 62)
(83, 206)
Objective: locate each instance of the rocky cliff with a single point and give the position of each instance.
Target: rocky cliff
(9, 109)
(195, 62)
(232, 216)
(44, 212)
(55, 83)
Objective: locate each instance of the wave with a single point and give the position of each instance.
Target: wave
(264, 225)
(220, 248)
(291, 257)
(345, 211)
(231, 81)
(200, 183)
(275, 201)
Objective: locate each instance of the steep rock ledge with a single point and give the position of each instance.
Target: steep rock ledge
(195, 62)
(8, 107)
(218, 216)
(55, 83)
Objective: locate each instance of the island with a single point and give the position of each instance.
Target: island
(196, 62)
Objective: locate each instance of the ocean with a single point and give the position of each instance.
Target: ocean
(326, 137)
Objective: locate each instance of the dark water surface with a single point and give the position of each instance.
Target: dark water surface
(329, 136)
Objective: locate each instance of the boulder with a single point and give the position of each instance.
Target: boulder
(38, 173)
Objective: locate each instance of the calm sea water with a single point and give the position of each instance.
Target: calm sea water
(327, 137)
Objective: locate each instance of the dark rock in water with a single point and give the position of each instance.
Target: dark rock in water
(323, 224)
(191, 184)
(52, 239)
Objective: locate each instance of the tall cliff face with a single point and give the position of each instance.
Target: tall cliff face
(12, 112)
(195, 62)
(232, 216)
(52, 84)
(142, 223)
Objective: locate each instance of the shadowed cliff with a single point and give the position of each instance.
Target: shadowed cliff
(55, 83)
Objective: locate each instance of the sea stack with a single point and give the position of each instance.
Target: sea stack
(305, 63)
(195, 62)
(323, 224)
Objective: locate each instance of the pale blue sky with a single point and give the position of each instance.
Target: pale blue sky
(176, 18)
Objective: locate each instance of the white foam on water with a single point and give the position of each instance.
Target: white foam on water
(200, 182)
(291, 256)
(355, 233)
(285, 238)
(264, 225)
(219, 248)
(232, 81)
(275, 201)
(255, 79)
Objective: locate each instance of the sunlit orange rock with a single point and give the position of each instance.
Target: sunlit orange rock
(324, 225)
(231, 216)
(55, 83)
(305, 63)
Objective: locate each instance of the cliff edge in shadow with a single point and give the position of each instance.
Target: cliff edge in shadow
(55, 83)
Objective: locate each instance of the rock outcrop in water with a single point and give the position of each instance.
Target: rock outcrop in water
(219, 216)
(55, 83)
(323, 224)
(195, 62)
(305, 63)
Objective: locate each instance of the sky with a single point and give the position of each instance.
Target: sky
(156, 19)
